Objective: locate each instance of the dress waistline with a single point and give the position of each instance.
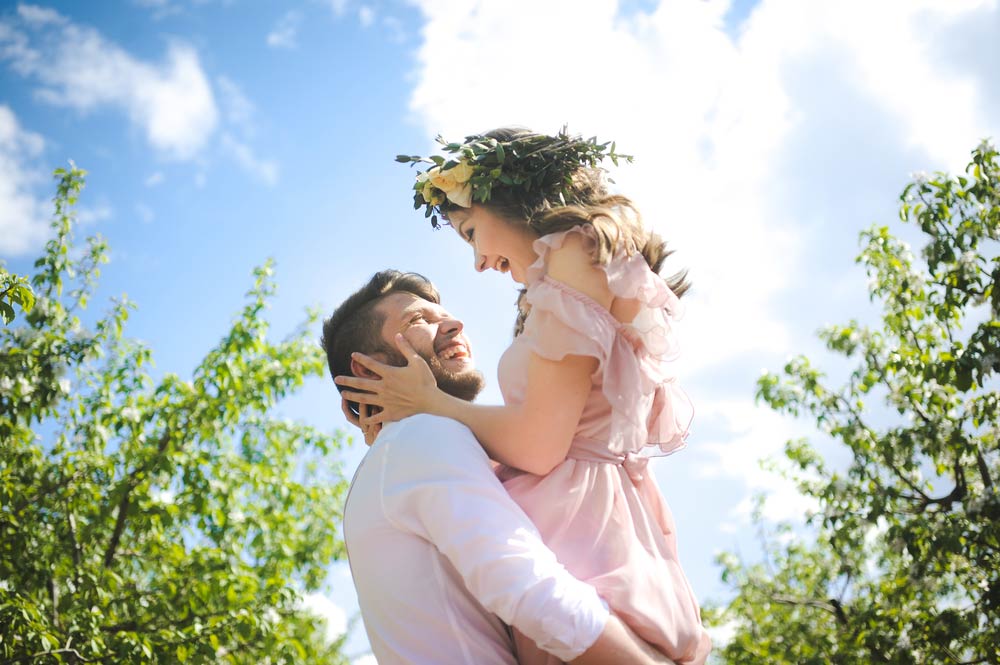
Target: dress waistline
(634, 464)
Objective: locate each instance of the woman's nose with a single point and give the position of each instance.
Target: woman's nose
(480, 262)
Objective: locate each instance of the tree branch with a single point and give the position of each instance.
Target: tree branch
(125, 502)
(984, 469)
(41, 654)
(833, 606)
(74, 540)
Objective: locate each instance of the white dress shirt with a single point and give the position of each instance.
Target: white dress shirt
(442, 557)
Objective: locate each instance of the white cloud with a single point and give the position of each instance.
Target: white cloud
(265, 171)
(709, 117)
(366, 15)
(237, 107)
(145, 213)
(159, 8)
(368, 659)
(751, 433)
(395, 29)
(285, 32)
(333, 614)
(172, 101)
(338, 6)
(23, 216)
(87, 215)
(155, 178)
(759, 151)
(40, 15)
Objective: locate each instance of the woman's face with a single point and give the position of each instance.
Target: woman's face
(497, 244)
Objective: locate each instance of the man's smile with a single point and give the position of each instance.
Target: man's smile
(454, 350)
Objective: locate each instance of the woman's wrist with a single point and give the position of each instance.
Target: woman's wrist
(444, 405)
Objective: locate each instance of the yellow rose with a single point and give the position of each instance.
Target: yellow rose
(444, 180)
(462, 172)
(461, 196)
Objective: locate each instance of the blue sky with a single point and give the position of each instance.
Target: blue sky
(766, 134)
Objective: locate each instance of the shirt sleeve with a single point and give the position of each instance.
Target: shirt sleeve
(438, 485)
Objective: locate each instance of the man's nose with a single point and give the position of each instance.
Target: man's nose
(452, 326)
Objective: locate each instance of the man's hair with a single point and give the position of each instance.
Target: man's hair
(356, 326)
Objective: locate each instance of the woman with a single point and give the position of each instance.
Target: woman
(586, 388)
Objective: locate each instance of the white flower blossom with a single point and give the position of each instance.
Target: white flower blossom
(6, 384)
(64, 385)
(130, 413)
(26, 387)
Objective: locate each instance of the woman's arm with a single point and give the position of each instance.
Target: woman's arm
(534, 436)
(618, 644)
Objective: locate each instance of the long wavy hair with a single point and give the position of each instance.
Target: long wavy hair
(615, 219)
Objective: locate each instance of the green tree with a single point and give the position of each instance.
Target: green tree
(162, 520)
(901, 563)
(14, 290)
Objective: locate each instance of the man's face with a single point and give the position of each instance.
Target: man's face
(436, 336)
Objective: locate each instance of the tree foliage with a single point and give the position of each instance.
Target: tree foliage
(156, 520)
(902, 562)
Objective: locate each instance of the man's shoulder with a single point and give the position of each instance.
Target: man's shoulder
(424, 427)
(428, 438)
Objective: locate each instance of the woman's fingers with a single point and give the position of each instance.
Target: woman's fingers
(375, 420)
(348, 413)
(370, 363)
(356, 382)
(362, 398)
(370, 430)
(404, 347)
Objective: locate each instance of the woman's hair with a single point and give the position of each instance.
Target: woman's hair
(613, 217)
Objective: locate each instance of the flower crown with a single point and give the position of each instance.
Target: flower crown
(531, 162)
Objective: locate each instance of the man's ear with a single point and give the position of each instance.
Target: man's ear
(359, 370)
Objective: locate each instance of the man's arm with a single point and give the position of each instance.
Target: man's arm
(438, 485)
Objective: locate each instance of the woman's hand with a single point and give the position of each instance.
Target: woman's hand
(400, 392)
(369, 430)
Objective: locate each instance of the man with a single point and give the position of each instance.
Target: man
(442, 558)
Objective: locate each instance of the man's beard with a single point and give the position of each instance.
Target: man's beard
(464, 385)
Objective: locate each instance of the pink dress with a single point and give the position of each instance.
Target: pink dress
(600, 510)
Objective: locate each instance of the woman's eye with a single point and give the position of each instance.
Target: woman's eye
(469, 234)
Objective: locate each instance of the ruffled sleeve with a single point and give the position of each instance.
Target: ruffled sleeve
(648, 406)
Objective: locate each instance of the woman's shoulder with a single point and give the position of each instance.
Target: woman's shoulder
(568, 257)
